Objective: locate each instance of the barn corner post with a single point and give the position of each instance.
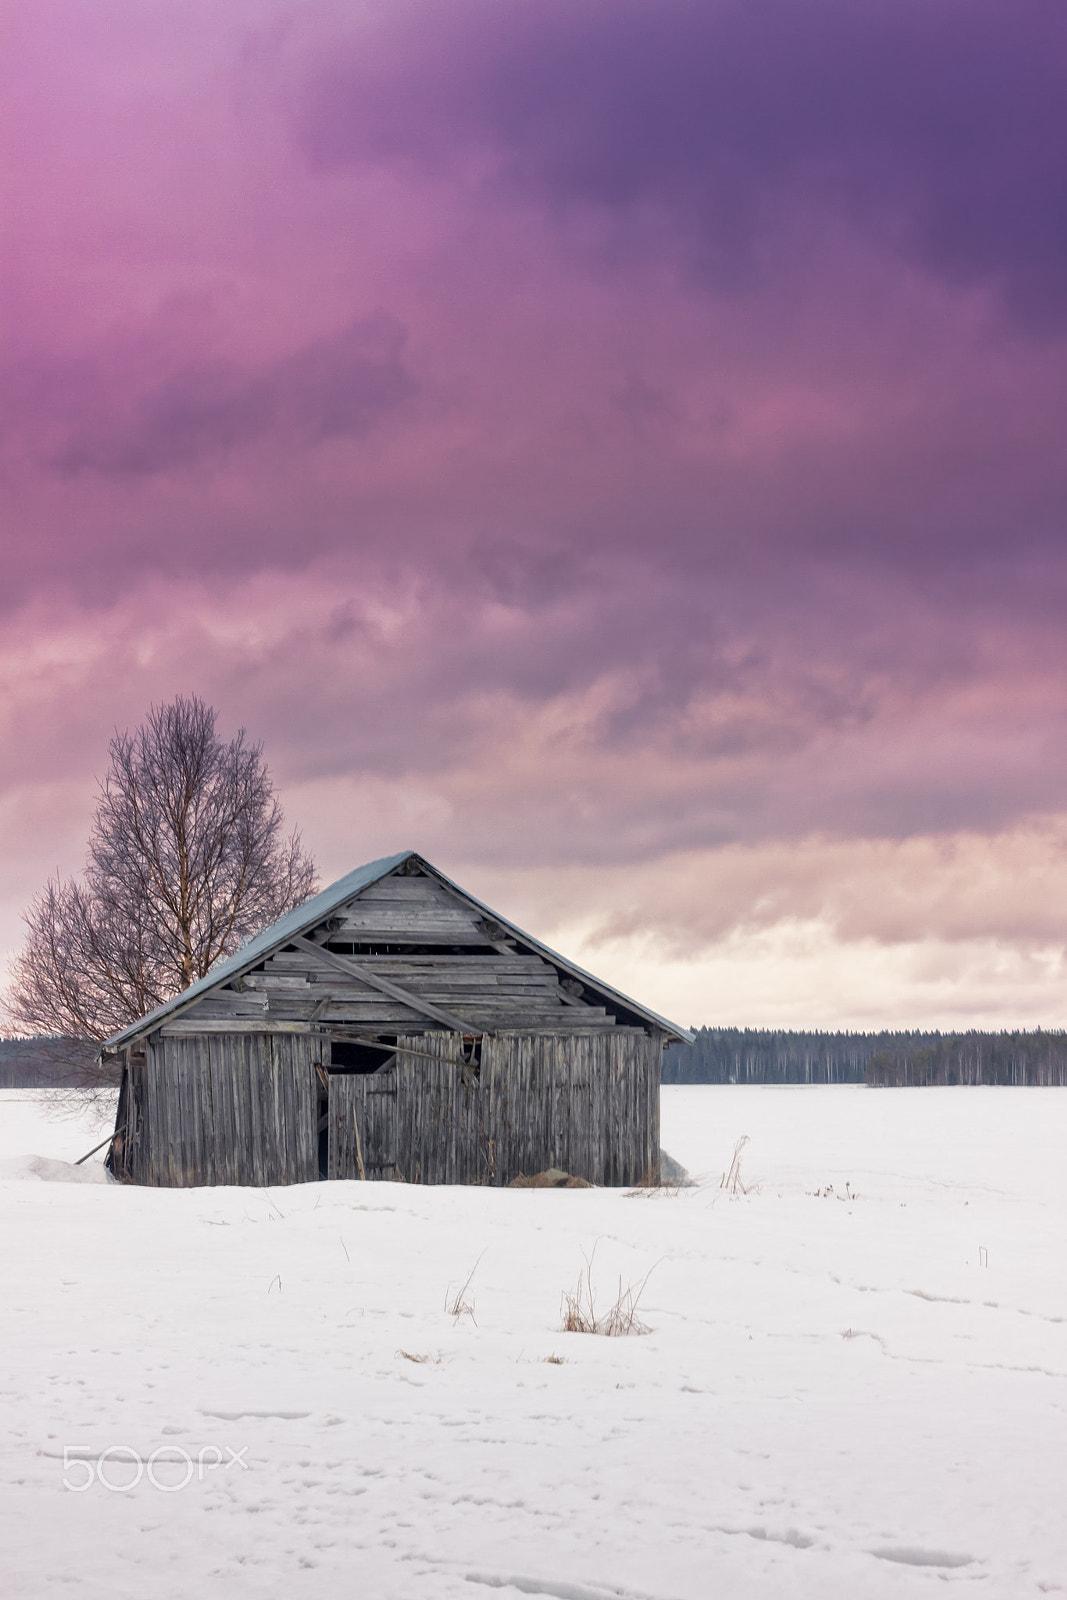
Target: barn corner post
(115, 1160)
(658, 1042)
(392, 1028)
(121, 1155)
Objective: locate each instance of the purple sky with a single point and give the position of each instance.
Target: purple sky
(615, 448)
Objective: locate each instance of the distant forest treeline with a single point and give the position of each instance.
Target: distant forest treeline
(25, 1063)
(750, 1055)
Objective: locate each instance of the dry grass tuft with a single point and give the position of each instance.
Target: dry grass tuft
(580, 1314)
(650, 1191)
(731, 1181)
(458, 1305)
(553, 1360)
(409, 1355)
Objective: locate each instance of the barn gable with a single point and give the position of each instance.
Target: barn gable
(395, 947)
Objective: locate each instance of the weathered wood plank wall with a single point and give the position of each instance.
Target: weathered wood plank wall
(587, 1103)
(238, 1109)
(243, 1109)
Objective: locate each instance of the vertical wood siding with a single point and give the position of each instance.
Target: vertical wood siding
(366, 1104)
(587, 1103)
(227, 1109)
(243, 1109)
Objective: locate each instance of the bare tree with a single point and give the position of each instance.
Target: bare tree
(186, 860)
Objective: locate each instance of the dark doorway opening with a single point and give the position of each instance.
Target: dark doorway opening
(322, 1124)
(348, 1056)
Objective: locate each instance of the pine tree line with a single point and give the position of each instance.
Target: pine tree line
(29, 1064)
(753, 1055)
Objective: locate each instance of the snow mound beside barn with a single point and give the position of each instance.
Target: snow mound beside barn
(50, 1171)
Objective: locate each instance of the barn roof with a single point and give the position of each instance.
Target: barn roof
(321, 906)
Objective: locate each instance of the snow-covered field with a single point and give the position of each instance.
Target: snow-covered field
(844, 1395)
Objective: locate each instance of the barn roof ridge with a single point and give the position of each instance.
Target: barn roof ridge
(304, 917)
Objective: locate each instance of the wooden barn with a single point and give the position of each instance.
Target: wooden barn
(391, 1027)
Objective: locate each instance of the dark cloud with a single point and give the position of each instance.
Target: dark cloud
(940, 124)
(628, 480)
(113, 413)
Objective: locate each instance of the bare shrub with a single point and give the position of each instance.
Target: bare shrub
(580, 1314)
